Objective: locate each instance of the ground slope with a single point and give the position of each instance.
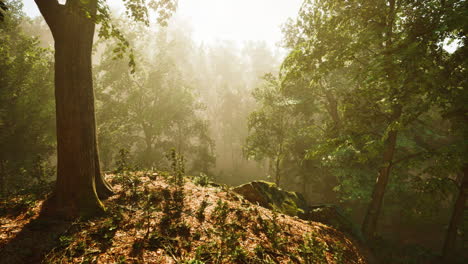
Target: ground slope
(158, 218)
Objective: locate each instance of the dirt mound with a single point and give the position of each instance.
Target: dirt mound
(160, 219)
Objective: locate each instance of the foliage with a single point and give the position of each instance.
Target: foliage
(360, 73)
(361, 65)
(271, 127)
(26, 105)
(153, 109)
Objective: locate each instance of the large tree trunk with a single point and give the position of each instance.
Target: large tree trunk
(457, 217)
(103, 189)
(78, 170)
(369, 225)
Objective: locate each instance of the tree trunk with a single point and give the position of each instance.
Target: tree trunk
(277, 172)
(103, 189)
(332, 108)
(78, 170)
(369, 225)
(457, 218)
(2, 178)
(149, 138)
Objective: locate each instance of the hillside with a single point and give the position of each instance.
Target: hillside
(159, 218)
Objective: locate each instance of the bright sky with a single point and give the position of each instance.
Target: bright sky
(237, 20)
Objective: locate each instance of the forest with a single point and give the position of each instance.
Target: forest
(125, 139)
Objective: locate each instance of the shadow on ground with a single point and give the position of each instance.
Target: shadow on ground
(35, 240)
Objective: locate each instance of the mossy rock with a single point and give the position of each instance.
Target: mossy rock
(332, 215)
(266, 194)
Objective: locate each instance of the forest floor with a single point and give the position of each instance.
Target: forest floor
(157, 218)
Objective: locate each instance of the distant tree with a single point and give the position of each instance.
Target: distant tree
(156, 109)
(270, 127)
(26, 103)
(79, 181)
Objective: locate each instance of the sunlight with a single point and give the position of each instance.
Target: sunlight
(234, 20)
(238, 20)
(233, 131)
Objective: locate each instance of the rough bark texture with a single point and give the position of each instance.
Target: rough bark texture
(457, 217)
(370, 221)
(78, 170)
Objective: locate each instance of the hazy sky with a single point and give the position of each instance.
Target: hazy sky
(238, 20)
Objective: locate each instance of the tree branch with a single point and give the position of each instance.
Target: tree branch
(50, 10)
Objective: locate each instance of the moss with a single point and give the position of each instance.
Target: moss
(268, 195)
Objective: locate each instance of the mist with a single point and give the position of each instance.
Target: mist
(358, 109)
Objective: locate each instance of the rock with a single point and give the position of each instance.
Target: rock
(266, 194)
(333, 215)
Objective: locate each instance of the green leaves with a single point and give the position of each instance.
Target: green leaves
(154, 108)
(27, 125)
(361, 70)
(136, 10)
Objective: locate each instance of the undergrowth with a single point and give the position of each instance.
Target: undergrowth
(154, 217)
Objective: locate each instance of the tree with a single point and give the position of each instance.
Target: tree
(156, 108)
(80, 184)
(26, 104)
(3, 8)
(452, 98)
(456, 218)
(270, 127)
(387, 54)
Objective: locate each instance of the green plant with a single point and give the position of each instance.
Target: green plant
(202, 179)
(273, 230)
(122, 161)
(173, 199)
(177, 162)
(230, 234)
(106, 232)
(338, 250)
(200, 214)
(312, 250)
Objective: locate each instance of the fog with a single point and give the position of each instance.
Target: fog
(353, 104)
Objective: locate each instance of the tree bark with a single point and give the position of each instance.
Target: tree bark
(373, 211)
(148, 159)
(277, 171)
(457, 218)
(332, 108)
(103, 189)
(369, 225)
(2, 178)
(78, 170)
